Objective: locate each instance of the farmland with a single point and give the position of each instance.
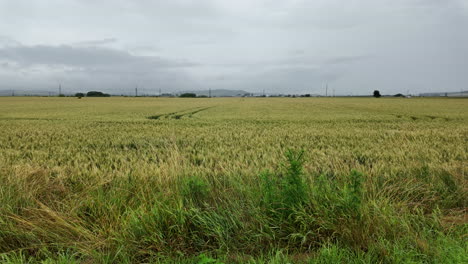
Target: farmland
(233, 180)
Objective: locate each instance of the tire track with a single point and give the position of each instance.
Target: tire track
(180, 114)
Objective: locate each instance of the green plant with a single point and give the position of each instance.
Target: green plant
(195, 191)
(204, 259)
(287, 190)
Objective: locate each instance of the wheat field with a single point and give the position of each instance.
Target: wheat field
(233, 180)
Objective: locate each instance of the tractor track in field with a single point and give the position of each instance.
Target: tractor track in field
(422, 117)
(187, 113)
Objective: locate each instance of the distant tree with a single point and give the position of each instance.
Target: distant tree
(97, 94)
(202, 96)
(188, 95)
(377, 94)
(399, 95)
(79, 95)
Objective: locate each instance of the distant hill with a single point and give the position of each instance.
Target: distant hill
(214, 93)
(218, 92)
(27, 93)
(449, 94)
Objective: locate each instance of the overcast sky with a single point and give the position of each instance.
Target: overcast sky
(282, 46)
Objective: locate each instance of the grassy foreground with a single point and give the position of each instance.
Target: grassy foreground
(233, 180)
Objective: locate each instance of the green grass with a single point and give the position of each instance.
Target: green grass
(233, 180)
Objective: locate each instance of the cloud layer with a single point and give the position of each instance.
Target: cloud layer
(291, 46)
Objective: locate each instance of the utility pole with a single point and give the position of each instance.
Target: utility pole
(136, 91)
(326, 90)
(12, 92)
(159, 92)
(60, 89)
(333, 92)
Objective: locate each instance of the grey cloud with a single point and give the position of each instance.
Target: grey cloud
(83, 57)
(98, 42)
(299, 60)
(7, 41)
(346, 59)
(81, 67)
